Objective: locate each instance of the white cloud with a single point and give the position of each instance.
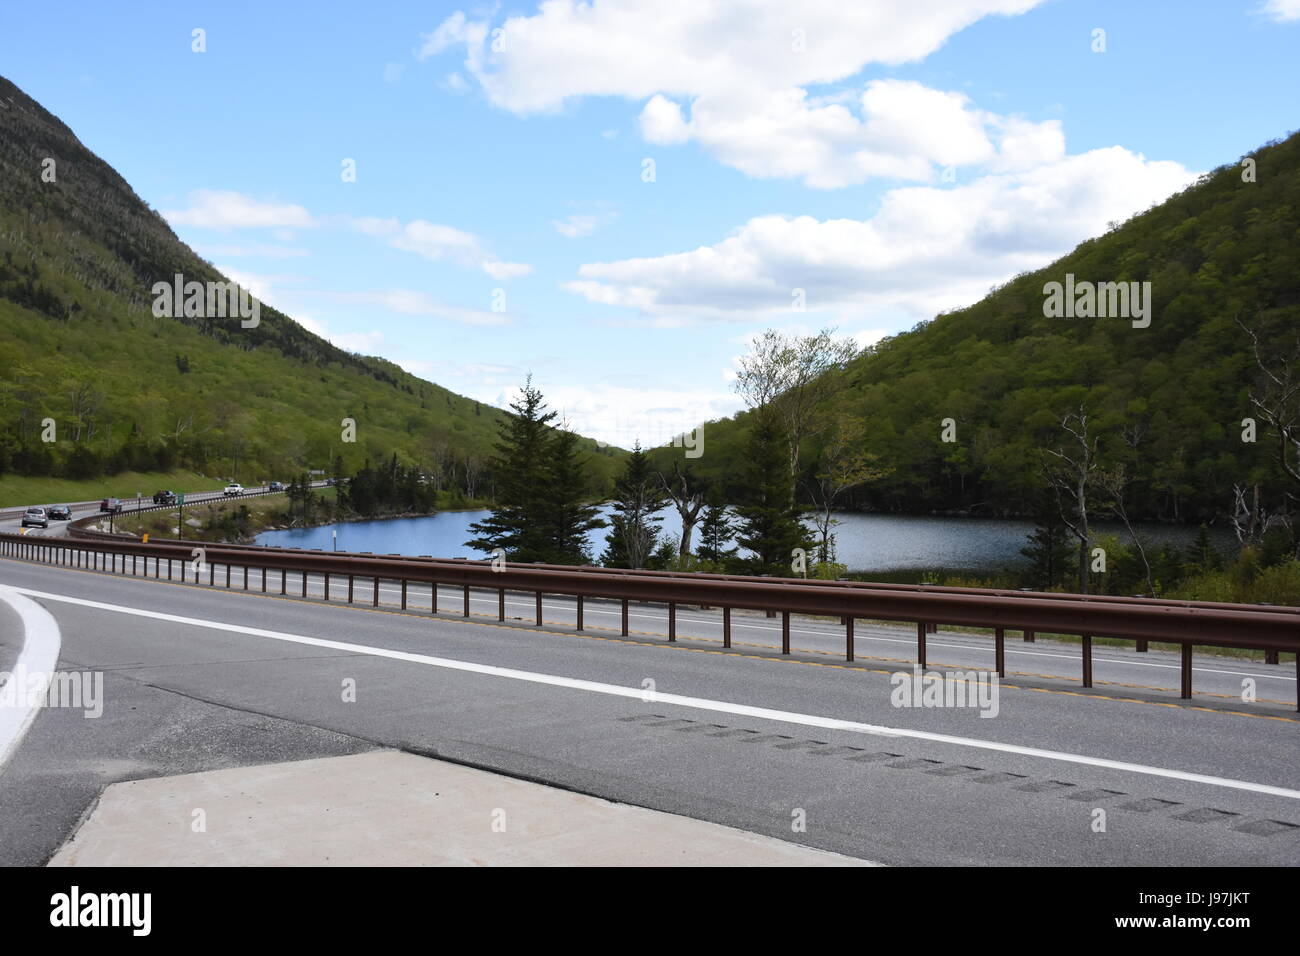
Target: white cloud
(227, 209)
(262, 285)
(744, 70)
(662, 122)
(260, 250)
(1283, 11)
(434, 241)
(575, 225)
(606, 413)
(410, 302)
(696, 47)
(927, 249)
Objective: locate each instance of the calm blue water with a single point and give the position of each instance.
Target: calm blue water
(866, 542)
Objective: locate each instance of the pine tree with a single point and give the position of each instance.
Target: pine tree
(770, 525)
(1048, 551)
(716, 531)
(572, 515)
(521, 522)
(634, 528)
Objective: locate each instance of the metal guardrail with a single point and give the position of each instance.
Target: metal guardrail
(1186, 624)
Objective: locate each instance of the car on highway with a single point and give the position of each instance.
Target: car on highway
(35, 518)
(59, 513)
(111, 505)
(275, 486)
(164, 497)
(233, 489)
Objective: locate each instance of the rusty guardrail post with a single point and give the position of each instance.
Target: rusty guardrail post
(501, 604)
(672, 622)
(1087, 659)
(785, 632)
(539, 608)
(726, 626)
(848, 638)
(1000, 651)
(920, 644)
(624, 630)
(579, 615)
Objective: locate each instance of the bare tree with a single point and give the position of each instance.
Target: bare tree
(791, 376)
(1276, 399)
(1251, 520)
(845, 465)
(1069, 472)
(1115, 483)
(687, 492)
(473, 472)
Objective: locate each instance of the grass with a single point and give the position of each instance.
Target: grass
(19, 490)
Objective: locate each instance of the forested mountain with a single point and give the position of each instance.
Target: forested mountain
(79, 343)
(1165, 402)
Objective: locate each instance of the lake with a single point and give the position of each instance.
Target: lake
(865, 542)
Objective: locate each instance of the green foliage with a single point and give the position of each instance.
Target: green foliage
(1220, 250)
(716, 532)
(387, 490)
(1049, 552)
(130, 391)
(769, 525)
(541, 511)
(634, 540)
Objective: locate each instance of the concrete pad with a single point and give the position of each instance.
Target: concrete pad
(388, 808)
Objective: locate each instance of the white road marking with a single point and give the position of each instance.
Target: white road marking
(39, 657)
(861, 635)
(697, 703)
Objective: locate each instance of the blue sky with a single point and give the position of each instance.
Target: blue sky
(890, 159)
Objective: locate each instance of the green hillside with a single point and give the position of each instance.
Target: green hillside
(1167, 401)
(79, 344)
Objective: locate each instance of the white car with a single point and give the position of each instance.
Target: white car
(233, 489)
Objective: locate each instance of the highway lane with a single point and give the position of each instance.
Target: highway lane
(1048, 666)
(182, 694)
(12, 524)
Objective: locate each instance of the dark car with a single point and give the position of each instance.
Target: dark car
(59, 512)
(164, 497)
(111, 505)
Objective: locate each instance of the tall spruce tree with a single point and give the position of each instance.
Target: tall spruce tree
(634, 528)
(716, 530)
(522, 523)
(769, 524)
(1048, 550)
(572, 515)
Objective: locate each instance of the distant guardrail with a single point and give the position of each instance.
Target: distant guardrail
(1187, 624)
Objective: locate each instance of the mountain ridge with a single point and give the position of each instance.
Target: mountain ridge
(79, 256)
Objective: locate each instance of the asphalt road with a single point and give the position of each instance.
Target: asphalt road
(183, 696)
(13, 523)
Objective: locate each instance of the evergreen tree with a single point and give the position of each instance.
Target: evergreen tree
(572, 515)
(769, 525)
(716, 530)
(521, 522)
(1048, 551)
(634, 527)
